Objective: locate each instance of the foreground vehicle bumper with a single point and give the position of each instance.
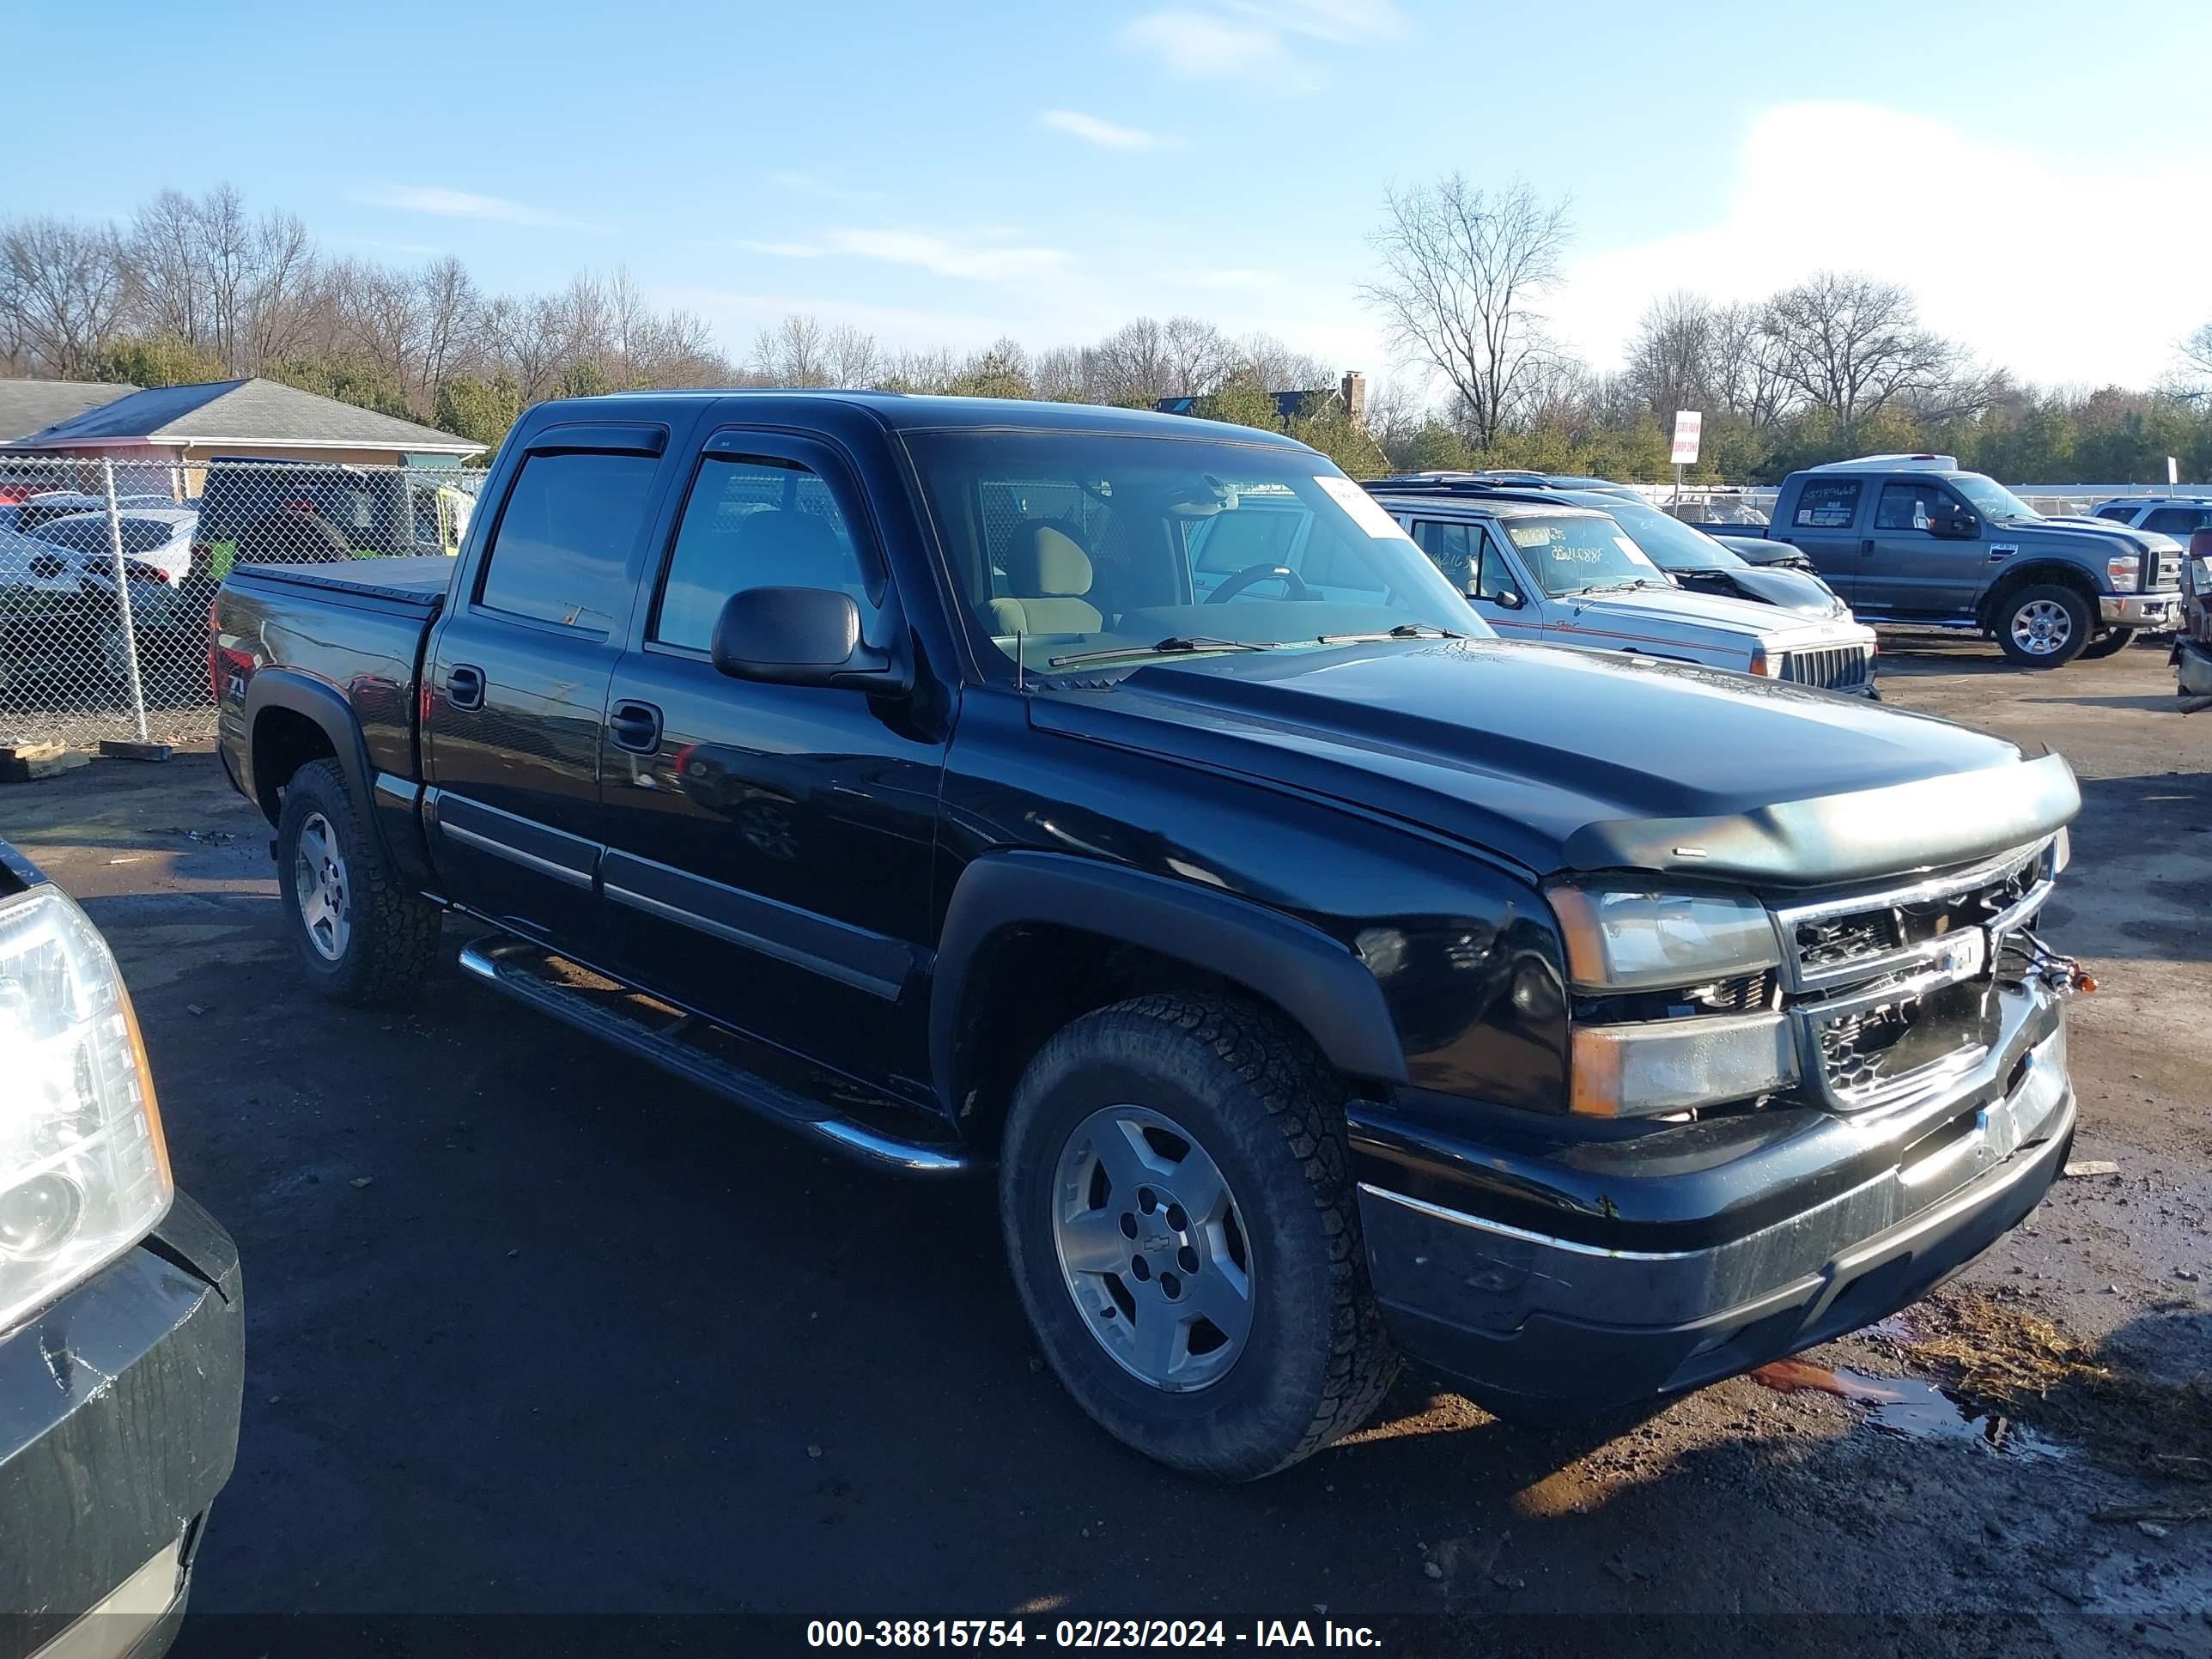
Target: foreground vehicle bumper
(2139, 610)
(118, 1424)
(1553, 1279)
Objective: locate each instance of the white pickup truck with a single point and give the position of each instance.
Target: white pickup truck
(1571, 575)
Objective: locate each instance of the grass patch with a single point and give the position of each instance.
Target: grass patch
(2005, 1359)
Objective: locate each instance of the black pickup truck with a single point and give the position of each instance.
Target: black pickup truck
(1325, 978)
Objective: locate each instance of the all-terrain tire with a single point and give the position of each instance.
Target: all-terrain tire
(2068, 624)
(1261, 1101)
(390, 936)
(2110, 643)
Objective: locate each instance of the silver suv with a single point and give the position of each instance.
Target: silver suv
(2178, 516)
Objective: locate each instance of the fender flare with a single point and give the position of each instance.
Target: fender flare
(2039, 567)
(1315, 979)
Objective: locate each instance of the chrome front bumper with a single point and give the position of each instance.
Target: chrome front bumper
(2139, 610)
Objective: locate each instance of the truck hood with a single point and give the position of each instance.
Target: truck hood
(1653, 609)
(1561, 760)
(2070, 535)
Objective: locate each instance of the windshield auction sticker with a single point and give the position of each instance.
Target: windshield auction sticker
(1366, 512)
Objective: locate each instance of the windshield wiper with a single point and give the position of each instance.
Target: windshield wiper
(1402, 631)
(1620, 587)
(1174, 645)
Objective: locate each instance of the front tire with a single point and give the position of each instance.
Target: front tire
(2110, 643)
(2045, 625)
(1184, 1229)
(361, 935)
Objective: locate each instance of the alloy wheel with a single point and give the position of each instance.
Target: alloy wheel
(1153, 1248)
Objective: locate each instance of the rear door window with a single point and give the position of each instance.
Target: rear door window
(1827, 504)
(561, 554)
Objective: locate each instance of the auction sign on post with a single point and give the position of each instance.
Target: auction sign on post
(1688, 423)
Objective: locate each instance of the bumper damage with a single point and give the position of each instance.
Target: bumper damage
(1554, 1281)
(118, 1424)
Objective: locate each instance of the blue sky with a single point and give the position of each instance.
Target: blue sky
(944, 173)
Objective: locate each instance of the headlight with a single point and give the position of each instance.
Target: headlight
(1672, 1064)
(2124, 572)
(1628, 940)
(83, 1172)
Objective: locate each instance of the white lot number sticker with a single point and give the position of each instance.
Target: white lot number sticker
(1366, 512)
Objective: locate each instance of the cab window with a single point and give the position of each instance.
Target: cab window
(753, 521)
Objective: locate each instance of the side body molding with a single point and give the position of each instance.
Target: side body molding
(1314, 978)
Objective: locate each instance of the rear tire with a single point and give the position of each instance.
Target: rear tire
(361, 937)
(2110, 643)
(2045, 625)
(1123, 1115)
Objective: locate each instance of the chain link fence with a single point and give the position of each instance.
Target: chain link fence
(108, 569)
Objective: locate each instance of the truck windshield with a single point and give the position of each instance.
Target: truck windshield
(1092, 546)
(1992, 500)
(1670, 543)
(1580, 555)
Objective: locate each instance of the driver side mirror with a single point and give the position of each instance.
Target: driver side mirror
(800, 636)
(1504, 597)
(1958, 525)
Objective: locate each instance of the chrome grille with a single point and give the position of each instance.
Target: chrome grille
(1893, 989)
(1831, 668)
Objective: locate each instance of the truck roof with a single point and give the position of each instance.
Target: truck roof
(908, 412)
(1891, 463)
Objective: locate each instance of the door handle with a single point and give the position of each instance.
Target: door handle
(636, 727)
(465, 686)
(1867, 546)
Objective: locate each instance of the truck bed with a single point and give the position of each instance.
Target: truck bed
(357, 626)
(420, 583)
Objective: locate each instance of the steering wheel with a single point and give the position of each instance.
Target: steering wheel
(1294, 585)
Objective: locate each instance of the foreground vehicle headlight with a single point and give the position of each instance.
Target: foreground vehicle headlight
(1674, 1064)
(83, 1172)
(2124, 572)
(1628, 940)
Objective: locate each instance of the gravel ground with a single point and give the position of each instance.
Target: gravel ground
(532, 1331)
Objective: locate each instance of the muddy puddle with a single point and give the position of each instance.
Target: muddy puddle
(1911, 1409)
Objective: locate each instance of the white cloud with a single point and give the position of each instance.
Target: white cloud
(1202, 46)
(2005, 247)
(466, 205)
(1092, 131)
(981, 258)
(1327, 20)
(1250, 39)
(807, 184)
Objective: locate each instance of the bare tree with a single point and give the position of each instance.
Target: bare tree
(1062, 374)
(67, 285)
(1198, 357)
(1850, 343)
(1134, 365)
(1273, 367)
(1463, 271)
(795, 352)
(852, 356)
(452, 333)
(2196, 351)
(1670, 356)
(1746, 379)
